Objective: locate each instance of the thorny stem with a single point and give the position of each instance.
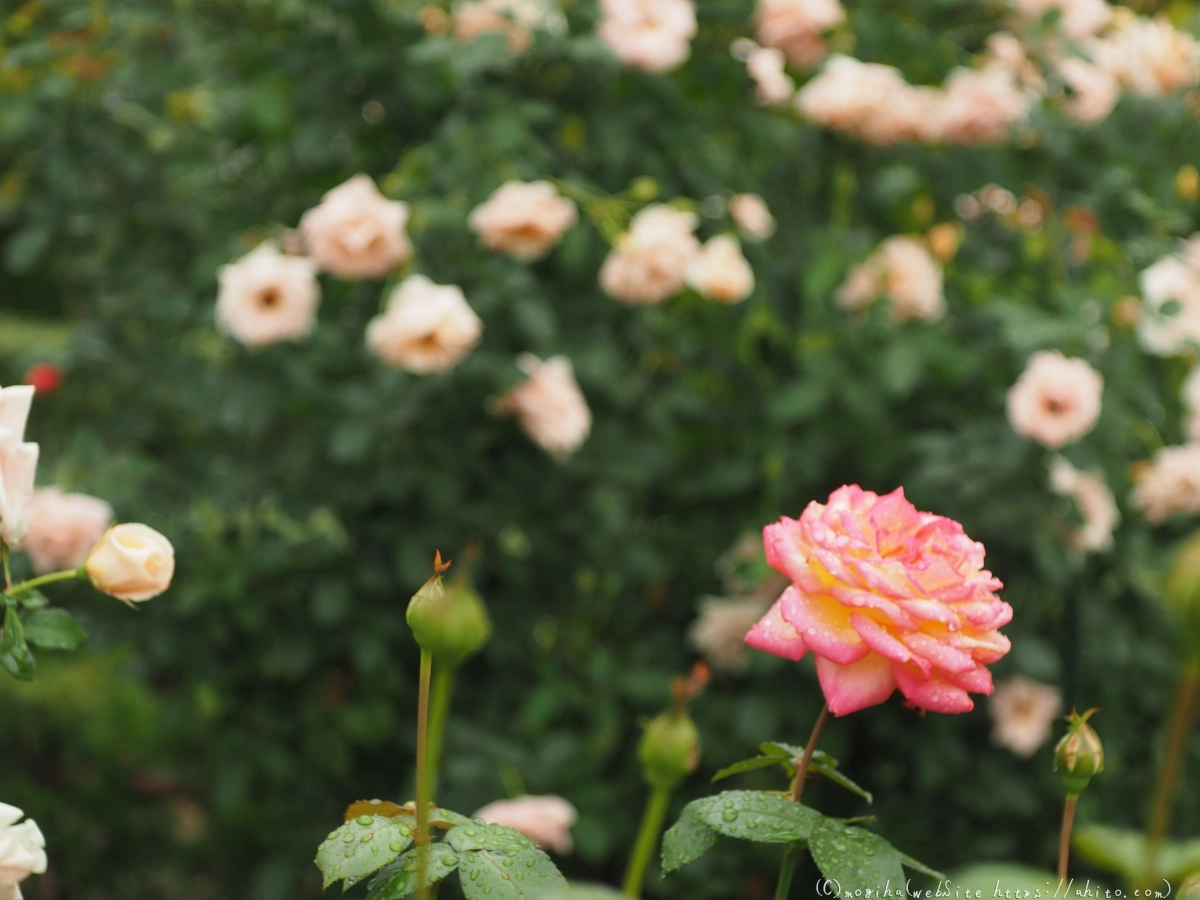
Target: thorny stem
(422, 839)
(647, 840)
(793, 852)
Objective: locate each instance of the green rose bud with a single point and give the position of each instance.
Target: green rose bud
(1182, 590)
(670, 749)
(448, 621)
(1079, 755)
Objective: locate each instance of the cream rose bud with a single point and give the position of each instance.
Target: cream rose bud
(1056, 400)
(650, 261)
(720, 272)
(547, 820)
(22, 851)
(653, 35)
(525, 220)
(266, 297)
(18, 463)
(131, 562)
(752, 217)
(63, 528)
(425, 328)
(549, 405)
(356, 232)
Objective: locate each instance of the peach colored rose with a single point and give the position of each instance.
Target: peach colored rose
(862, 286)
(654, 35)
(525, 220)
(752, 217)
(980, 106)
(547, 820)
(18, 463)
(720, 631)
(1007, 51)
(1022, 712)
(1078, 19)
(514, 18)
(1149, 56)
(356, 232)
(549, 405)
(266, 297)
(871, 102)
(425, 328)
(1094, 90)
(1094, 500)
(797, 27)
(1056, 400)
(903, 270)
(63, 528)
(720, 272)
(22, 851)
(650, 261)
(885, 597)
(1169, 323)
(131, 562)
(773, 85)
(1170, 485)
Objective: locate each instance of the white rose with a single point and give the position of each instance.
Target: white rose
(356, 232)
(18, 463)
(22, 851)
(426, 327)
(266, 296)
(132, 562)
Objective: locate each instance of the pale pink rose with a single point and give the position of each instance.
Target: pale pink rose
(752, 217)
(1170, 319)
(797, 26)
(1078, 19)
(654, 35)
(425, 328)
(885, 597)
(981, 106)
(18, 463)
(650, 261)
(549, 405)
(1094, 90)
(22, 851)
(720, 271)
(266, 297)
(356, 232)
(547, 820)
(1022, 712)
(773, 85)
(514, 18)
(1006, 50)
(1149, 56)
(1056, 400)
(1170, 485)
(903, 270)
(720, 631)
(871, 102)
(1094, 501)
(63, 528)
(525, 220)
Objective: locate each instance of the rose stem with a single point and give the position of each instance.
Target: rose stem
(443, 687)
(422, 839)
(793, 852)
(647, 840)
(1181, 722)
(64, 575)
(1064, 841)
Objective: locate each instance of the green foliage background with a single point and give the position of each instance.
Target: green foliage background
(305, 487)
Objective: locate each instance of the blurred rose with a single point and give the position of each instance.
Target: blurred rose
(752, 217)
(356, 232)
(1094, 500)
(132, 562)
(425, 328)
(654, 35)
(266, 297)
(885, 597)
(1170, 320)
(943, 240)
(22, 851)
(63, 528)
(904, 270)
(720, 631)
(1007, 51)
(1170, 485)
(871, 102)
(1094, 90)
(1056, 400)
(549, 405)
(720, 271)
(796, 27)
(1078, 19)
(18, 463)
(1022, 712)
(981, 106)
(44, 378)
(650, 261)
(1149, 56)
(547, 820)
(525, 220)
(514, 18)
(773, 85)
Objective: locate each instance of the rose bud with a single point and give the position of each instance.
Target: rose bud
(1190, 889)
(670, 749)
(1182, 590)
(1079, 755)
(46, 378)
(132, 562)
(450, 622)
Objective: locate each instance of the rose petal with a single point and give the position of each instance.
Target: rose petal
(849, 688)
(824, 624)
(774, 635)
(933, 693)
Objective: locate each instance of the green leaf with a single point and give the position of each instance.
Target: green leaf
(14, 652)
(856, 859)
(32, 599)
(399, 879)
(1125, 852)
(686, 840)
(786, 751)
(360, 847)
(838, 778)
(492, 875)
(53, 629)
(493, 838)
(749, 765)
(917, 866)
(756, 816)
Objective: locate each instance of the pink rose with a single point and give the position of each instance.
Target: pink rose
(266, 297)
(425, 328)
(1056, 400)
(525, 220)
(1094, 90)
(720, 272)
(514, 18)
(356, 232)
(752, 217)
(63, 528)
(980, 106)
(885, 597)
(1149, 56)
(1022, 712)
(904, 271)
(549, 405)
(796, 27)
(547, 820)
(654, 35)
(1170, 485)
(872, 102)
(650, 261)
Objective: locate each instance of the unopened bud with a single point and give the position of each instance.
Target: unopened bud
(1079, 755)
(448, 621)
(1182, 590)
(670, 749)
